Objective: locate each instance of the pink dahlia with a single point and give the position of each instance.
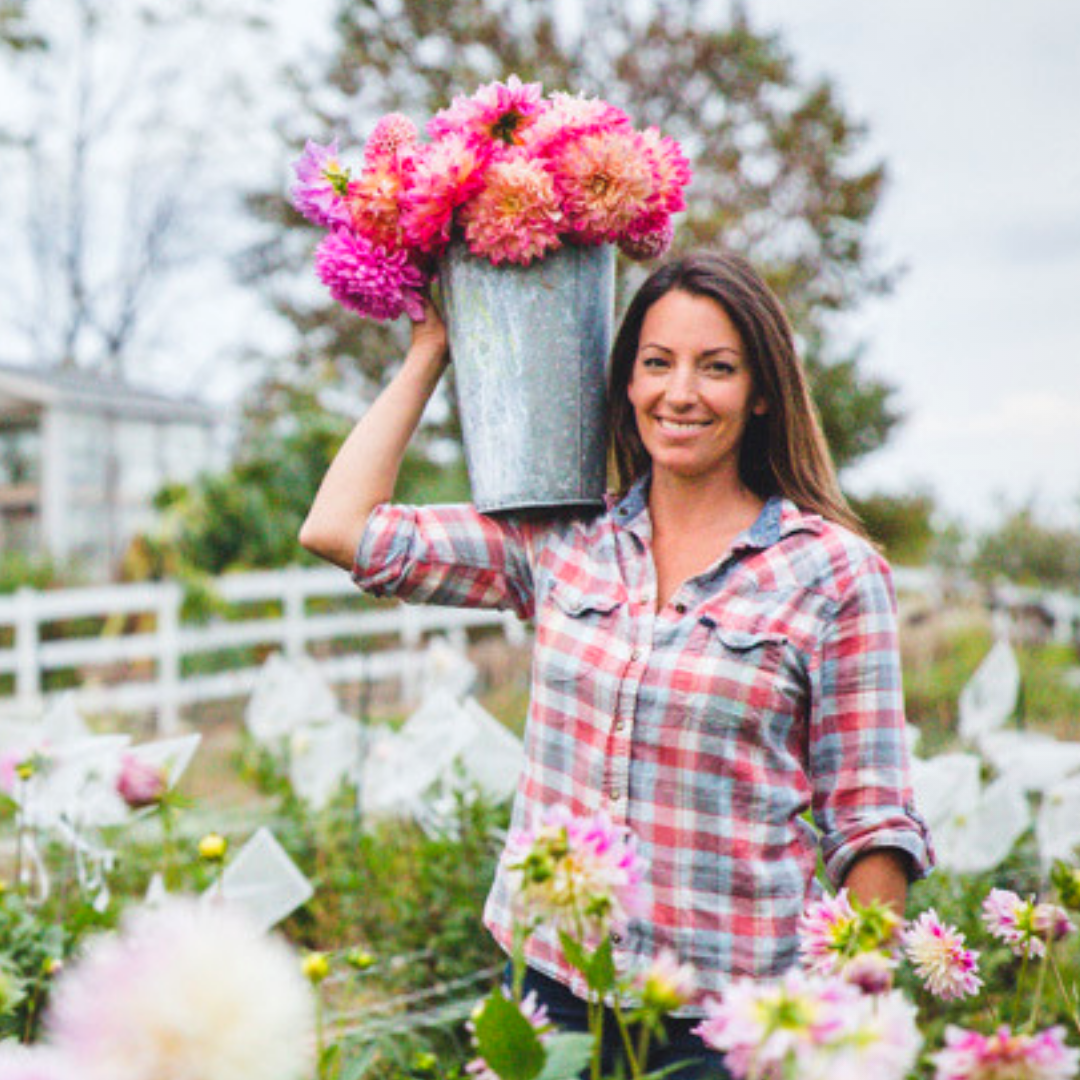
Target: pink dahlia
(1012, 920)
(569, 117)
(947, 968)
(141, 784)
(374, 200)
(581, 873)
(394, 138)
(969, 1055)
(665, 984)
(187, 992)
(367, 279)
(813, 1028)
(871, 972)
(445, 174)
(496, 116)
(759, 1026)
(1052, 922)
(320, 191)
(671, 169)
(648, 238)
(606, 181)
(825, 929)
(515, 217)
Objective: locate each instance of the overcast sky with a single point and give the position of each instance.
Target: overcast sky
(975, 105)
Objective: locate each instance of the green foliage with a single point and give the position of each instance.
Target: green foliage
(934, 677)
(33, 947)
(780, 168)
(901, 524)
(1029, 551)
(19, 570)
(16, 32)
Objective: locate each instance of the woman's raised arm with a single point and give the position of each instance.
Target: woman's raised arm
(365, 469)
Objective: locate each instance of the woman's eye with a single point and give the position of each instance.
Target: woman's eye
(719, 367)
(654, 362)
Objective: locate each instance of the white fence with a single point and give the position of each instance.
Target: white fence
(161, 650)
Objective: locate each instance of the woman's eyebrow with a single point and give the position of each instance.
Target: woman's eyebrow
(708, 352)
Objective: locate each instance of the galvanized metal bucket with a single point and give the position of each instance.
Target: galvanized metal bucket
(530, 347)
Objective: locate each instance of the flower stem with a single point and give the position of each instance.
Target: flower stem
(596, 1029)
(1068, 995)
(635, 1061)
(1039, 986)
(1020, 985)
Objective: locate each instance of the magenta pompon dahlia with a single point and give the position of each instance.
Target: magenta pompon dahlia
(319, 193)
(368, 279)
(580, 873)
(947, 968)
(969, 1055)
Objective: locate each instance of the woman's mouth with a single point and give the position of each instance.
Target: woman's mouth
(680, 427)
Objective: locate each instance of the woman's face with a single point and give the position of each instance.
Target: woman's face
(691, 388)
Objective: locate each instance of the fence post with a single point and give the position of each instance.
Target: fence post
(411, 639)
(27, 637)
(292, 608)
(168, 628)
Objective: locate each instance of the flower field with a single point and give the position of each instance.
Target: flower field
(294, 932)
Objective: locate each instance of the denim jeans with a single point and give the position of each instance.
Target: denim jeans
(680, 1046)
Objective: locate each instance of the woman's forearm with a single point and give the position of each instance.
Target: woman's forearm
(880, 875)
(365, 469)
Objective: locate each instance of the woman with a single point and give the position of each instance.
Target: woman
(715, 652)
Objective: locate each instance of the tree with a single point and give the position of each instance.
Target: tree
(779, 167)
(1029, 551)
(108, 199)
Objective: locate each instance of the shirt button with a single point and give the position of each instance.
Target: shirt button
(615, 795)
(620, 724)
(616, 939)
(635, 655)
(680, 608)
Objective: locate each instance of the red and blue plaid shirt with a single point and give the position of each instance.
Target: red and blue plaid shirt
(767, 687)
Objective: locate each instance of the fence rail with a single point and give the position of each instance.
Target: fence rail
(26, 658)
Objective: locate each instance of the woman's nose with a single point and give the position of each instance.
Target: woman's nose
(681, 386)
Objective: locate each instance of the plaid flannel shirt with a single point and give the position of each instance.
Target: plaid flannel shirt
(766, 687)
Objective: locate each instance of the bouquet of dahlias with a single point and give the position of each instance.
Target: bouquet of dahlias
(513, 173)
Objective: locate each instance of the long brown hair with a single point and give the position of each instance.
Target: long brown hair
(783, 451)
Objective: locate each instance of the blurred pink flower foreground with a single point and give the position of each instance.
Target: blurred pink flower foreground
(187, 992)
(581, 873)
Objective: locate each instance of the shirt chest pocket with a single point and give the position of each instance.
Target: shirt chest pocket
(728, 677)
(578, 642)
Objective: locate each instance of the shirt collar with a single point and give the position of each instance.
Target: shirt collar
(779, 518)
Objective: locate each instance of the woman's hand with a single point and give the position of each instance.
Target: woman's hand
(429, 339)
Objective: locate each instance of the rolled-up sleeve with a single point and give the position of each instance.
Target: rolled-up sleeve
(450, 555)
(862, 798)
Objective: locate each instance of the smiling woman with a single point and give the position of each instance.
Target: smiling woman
(716, 657)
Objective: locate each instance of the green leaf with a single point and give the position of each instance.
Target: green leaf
(600, 972)
(507, 1041)
(568, 1054)
(574, 951)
